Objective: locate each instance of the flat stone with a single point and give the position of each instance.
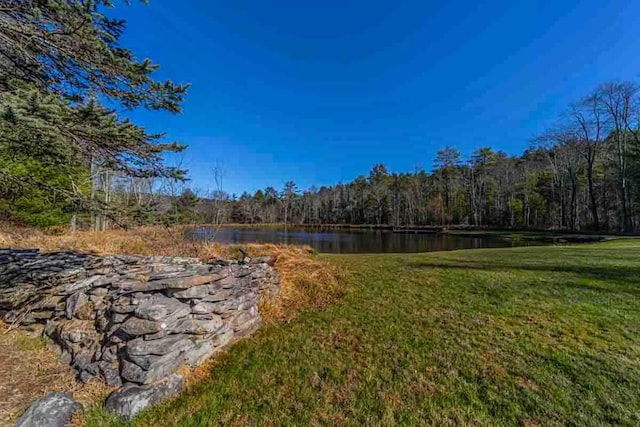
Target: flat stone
(119, 317)
(159, 347)
(196, 292)
(53, 410)
(123, 306)
(135, 326)
(99, 292)
(42, 315)
(89, 282)
(176, 283)
(191, 326)
(202, 307)
(110, 354)
(246, 322)
(150, 368)
(128, 401)
(222, 307)
(158, 307)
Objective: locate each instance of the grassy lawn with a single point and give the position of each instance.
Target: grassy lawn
(524, 336)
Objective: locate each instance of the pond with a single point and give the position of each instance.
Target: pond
(352, 241)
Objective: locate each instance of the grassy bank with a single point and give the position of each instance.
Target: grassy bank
(529, 336)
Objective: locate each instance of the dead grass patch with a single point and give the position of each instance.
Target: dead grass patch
(30, 369)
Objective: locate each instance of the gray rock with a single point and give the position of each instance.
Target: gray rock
(202, 351)
(109, 354)
(191, 326)
(159, 347)
(199, 327)
(129, 371)
(134, 326)
(158, 307)
(85, 376)
(53, 410)
(150, 368)
(246, 323)
(175, 283)
(87, 283)
(197, 292)
(99, 292)
(119, 317)
(74, 302)
(131, 399)
(110, 374)
(123, 306)
(222, 307)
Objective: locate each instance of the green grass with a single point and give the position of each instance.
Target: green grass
(536, 236)
(520, 336)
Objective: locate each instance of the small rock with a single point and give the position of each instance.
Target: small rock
(110, 354)
(135, 326)
(53, 410)
(99, 292)
(110, 374)
(85, 377)
(131, 399)
(119, 317)
(74, 303)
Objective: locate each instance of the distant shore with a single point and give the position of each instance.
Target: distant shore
(542, 236)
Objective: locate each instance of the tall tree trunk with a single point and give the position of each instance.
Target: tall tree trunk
(592, 197)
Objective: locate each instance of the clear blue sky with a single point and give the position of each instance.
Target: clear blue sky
(319, 92)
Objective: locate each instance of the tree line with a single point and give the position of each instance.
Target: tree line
(581, 174)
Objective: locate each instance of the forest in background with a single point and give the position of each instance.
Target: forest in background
(69, 158)
(582, 174)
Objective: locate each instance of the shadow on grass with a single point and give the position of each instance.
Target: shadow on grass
(623, 279)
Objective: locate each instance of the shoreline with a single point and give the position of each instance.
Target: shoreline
(542, 236)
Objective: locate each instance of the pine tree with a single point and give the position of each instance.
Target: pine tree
(57, 58)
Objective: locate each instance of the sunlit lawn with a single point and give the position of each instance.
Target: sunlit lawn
(529, 336)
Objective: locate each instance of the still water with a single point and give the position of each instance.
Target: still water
(348, 241)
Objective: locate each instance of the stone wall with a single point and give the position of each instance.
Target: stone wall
(133, 319)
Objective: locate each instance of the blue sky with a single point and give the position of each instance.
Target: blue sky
(319, 93)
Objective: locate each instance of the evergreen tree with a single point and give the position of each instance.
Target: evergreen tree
(56, 59)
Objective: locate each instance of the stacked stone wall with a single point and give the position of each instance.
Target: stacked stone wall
(133, 320)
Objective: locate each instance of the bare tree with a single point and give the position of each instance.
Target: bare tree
(619, 101)
(588, 125)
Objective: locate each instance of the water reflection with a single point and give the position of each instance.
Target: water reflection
(348, 241)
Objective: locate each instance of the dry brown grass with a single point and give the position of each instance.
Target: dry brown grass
(306, 281)
(30, 368)
(141, 241)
